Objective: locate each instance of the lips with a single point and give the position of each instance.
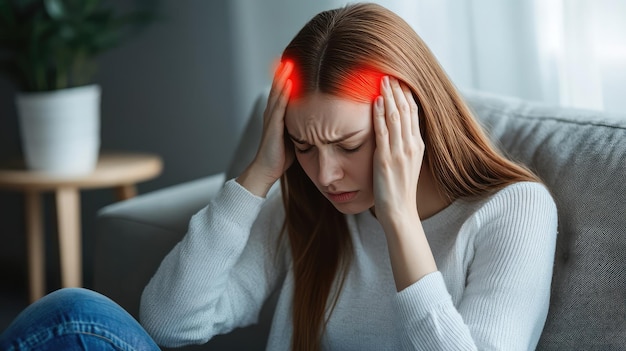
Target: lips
(341, 196)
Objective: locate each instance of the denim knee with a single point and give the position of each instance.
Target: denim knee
(75, 318)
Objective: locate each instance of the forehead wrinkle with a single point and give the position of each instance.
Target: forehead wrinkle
(333, 137)
(316, 121)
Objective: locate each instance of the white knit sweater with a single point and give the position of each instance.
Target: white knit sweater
(491, 292)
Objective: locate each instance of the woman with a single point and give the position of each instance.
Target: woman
(399, 226)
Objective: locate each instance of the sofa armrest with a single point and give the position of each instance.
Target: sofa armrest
(133, 236)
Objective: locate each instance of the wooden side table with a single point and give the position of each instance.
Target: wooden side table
(120, 171)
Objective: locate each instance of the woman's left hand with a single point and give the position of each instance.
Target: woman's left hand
(399, 152)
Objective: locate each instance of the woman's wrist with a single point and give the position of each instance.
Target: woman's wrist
(255, 181)
(409, 251)
(398, 221)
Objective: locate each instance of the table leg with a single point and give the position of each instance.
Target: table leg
(125, 192)
(70, 241)
(35, 242)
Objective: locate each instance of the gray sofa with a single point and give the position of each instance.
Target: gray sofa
(581, 156)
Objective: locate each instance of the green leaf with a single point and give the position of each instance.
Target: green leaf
(55, 9)
(53, 43)
(90, 5)
(67, 32)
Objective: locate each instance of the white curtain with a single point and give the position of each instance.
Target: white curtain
(567, 52)
(585, 51)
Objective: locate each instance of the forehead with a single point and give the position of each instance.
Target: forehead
(319, 108)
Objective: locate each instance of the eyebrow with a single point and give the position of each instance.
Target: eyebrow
(343, 138)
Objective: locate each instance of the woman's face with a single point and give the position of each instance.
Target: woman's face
(334, 143)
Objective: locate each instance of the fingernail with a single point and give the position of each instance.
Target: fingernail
(379, 102)
(288, 64)
(386, 81)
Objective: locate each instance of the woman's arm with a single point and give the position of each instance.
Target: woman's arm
(506, 295)
(272, 158)
(218, 277)
(506, 292)
(397, 166)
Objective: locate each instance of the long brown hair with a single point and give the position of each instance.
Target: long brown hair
(335, 52)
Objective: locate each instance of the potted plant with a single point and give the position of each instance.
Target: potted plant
(48, 50)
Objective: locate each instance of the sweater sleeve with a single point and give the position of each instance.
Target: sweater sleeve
(219, 275)
(505, 300)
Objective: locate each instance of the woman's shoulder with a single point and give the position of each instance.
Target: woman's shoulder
(512, 197)
(521, 194)
(521, 204)
(526, 188)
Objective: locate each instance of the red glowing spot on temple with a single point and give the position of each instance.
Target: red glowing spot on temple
(295, 78)
(363, 84)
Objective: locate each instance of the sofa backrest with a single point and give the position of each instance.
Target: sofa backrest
(250, 138)
(581, 157)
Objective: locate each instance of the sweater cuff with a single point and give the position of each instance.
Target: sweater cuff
(237, 204)
(421, 298)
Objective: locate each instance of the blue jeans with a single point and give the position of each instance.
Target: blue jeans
(75, 319)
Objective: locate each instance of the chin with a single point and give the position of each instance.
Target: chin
(352, 208)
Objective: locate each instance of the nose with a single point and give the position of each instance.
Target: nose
(330, 169)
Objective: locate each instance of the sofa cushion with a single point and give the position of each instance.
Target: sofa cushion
(581, 156)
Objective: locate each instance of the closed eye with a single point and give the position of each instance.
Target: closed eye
(350, 150)
(303, 151)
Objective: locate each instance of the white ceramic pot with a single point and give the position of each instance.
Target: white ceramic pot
(60, 130)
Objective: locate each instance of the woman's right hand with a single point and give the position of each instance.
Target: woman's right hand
(272, 158)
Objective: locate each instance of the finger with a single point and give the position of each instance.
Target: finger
(392, 114)
(283, 98)
(413, 111)
(272, 96)
(403, 108)
(281, 75)
(274, 119)
(380, 126)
